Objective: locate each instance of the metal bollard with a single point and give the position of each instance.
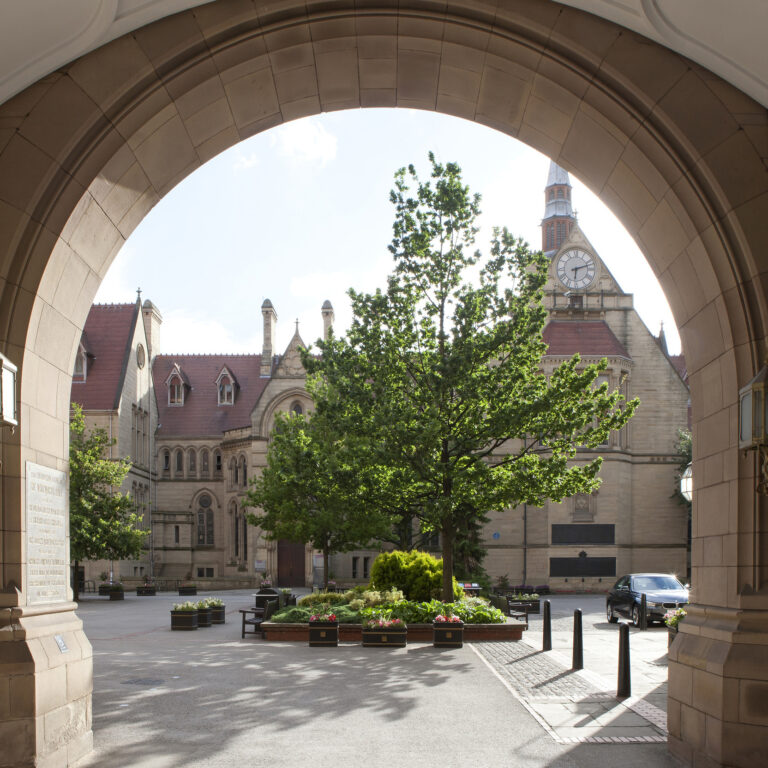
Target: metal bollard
(578, 643)
(624, 687)
(547, 639)
(643, 624)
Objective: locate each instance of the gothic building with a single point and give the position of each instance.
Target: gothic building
(197, 428)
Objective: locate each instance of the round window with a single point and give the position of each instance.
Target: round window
(205, 500)
(140, 356)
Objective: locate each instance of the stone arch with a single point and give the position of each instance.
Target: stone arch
(676, 153)
(282, 402)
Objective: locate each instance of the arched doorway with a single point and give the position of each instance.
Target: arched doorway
(86, 152)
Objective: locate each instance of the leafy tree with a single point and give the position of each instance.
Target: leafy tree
(102, 524)
(312, 490)
(684, 448)
(442, 372)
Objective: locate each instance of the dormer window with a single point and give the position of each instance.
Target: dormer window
(176, 386)
(226, 386)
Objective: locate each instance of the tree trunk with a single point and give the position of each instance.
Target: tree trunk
(447, 565)
(326, 554)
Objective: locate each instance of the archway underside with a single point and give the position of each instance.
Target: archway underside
(676, 153)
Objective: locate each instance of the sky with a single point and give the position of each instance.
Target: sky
(301, 213)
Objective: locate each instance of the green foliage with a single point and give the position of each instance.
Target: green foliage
(440, 377)
(102, 524)
(116, 588)
(684, 448)
(418, 574)
(470, 611)
(320, 598)
(314, 488)
(673, 618)
(293, 614)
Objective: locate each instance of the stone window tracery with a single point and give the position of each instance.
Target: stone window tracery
(205, 537)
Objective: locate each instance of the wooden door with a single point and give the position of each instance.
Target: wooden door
(290, 564)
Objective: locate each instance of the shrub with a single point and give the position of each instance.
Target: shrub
(187, 606)
(317, 598)
(293, 614)
(417, 574)
(471, 611)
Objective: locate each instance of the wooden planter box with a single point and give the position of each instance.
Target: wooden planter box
(203, 617)
(218, 614)
(447, 634)
(384, 638)
(183, 620)
(417, 633)
(146, 591)
(188, 590)
(117, 595)
(323, 633)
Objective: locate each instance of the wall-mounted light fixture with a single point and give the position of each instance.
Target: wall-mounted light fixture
(8, 415)
(753, 434)
(686, 483)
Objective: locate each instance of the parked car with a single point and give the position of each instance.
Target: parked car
(663, 592)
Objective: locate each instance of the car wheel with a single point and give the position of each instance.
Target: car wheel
(636, 617)
(609, 614)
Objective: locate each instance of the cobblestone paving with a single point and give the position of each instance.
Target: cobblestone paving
(565, 703)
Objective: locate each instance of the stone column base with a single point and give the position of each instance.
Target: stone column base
(46, 679)
(718, 688)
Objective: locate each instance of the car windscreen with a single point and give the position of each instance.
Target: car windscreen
(656, 583)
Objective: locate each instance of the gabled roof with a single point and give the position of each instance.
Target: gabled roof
(201, 414)
(107, 337)
(590, 338)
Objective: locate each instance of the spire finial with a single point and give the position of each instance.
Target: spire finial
(138, 294)
(297, 325)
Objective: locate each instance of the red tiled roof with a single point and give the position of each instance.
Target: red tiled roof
(108, 335)
(587, 337)
(201, 414)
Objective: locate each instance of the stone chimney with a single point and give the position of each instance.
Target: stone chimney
(270, 337)
(328, 317)
(152, 322)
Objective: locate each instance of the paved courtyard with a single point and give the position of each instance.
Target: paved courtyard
(167, 699)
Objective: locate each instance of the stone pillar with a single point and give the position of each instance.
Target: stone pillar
(718, 663)
(270, 335)
(46, 667)
(328, 317)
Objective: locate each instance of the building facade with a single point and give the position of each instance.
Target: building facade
(198, 426)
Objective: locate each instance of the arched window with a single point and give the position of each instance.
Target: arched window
(204, 468)
(243, 472)
(560, 193)
(179, 462)
(296, 409)
(217, 462)
(236, 528)
(233, 471)
(166, 460)
(81, 365)
(204, 521)
(226, 391)
(175, 391)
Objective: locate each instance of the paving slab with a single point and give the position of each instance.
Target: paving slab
(167, 699)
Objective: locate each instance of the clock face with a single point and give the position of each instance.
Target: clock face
(576, 269)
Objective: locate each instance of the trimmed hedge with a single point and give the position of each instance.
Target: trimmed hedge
(417, 574)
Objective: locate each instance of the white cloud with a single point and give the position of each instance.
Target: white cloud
(119, 284)
(185, 333)
(243, 162)
(306, 141)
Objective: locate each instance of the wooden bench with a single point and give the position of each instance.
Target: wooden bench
(255, 617)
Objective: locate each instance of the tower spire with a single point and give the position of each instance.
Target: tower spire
(559, 217)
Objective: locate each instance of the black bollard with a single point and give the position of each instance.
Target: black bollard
(643, 624)
(624, 688)
(547, 640)
(578, 643)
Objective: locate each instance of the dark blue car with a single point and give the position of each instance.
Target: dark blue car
(663, 593)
